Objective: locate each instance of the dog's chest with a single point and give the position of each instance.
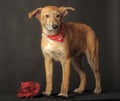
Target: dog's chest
(54, 50)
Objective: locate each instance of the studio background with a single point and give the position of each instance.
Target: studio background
(20, 54)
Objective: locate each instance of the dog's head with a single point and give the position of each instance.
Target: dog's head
(50, 17)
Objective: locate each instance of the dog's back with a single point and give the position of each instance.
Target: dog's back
(79, 38)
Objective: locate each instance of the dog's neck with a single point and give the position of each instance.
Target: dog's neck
(59, 37)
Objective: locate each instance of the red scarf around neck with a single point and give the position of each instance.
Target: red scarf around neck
(58, 37)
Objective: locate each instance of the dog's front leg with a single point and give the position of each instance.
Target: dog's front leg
(48, 72)
(65, 77)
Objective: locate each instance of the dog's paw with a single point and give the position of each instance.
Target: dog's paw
(97, 91)
(46, 93)
(78, 90)
(63, 94)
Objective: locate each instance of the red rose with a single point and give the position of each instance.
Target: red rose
(28, 89)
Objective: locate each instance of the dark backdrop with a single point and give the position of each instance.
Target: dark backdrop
(20, 53)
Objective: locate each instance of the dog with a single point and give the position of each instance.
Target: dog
(66, 43)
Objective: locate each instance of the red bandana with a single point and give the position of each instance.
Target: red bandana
(58, 37)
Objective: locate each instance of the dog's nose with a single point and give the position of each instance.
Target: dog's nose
(55, 26)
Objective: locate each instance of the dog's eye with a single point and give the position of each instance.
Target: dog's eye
(47, 16)
(58, 16)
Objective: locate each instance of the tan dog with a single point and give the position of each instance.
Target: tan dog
(67, 43)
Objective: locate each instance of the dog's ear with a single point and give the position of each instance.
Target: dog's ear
(65, 10)
(35, 13)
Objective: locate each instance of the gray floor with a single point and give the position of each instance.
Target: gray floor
(72, 97)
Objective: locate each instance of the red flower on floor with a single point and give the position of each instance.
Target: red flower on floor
(28, 89)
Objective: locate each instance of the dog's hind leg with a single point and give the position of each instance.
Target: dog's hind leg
(77, 63)
(92, 57)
